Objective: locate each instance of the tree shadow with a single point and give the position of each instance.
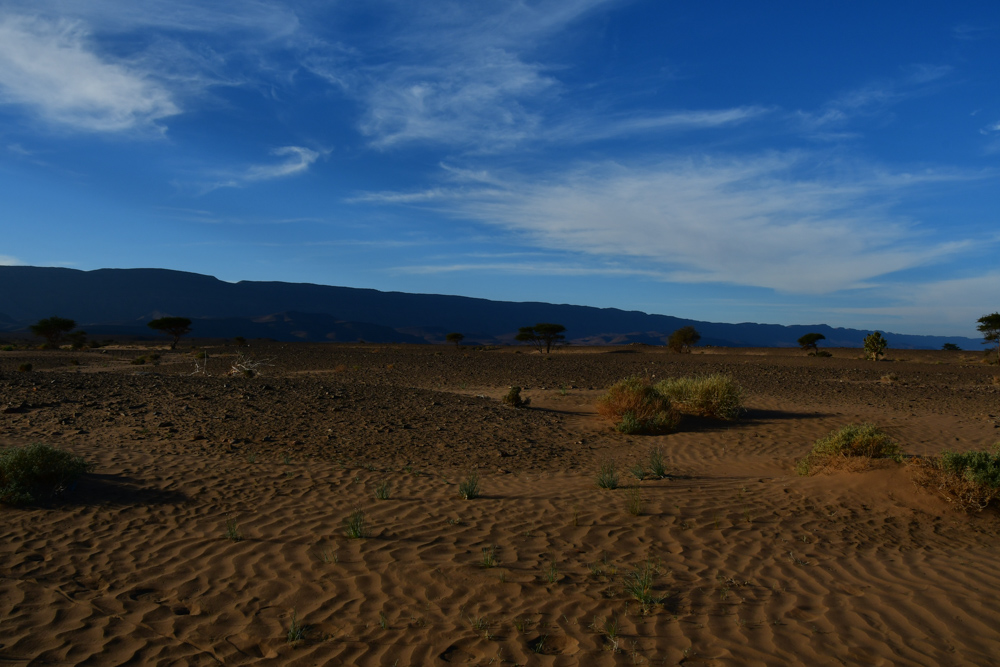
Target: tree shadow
(759, 414)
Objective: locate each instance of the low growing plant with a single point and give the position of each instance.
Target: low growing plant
(382, 490)
(24, 368)
(356, 528)
(469, 488)
(37, 473)
(657, 468)
(971, 480)
(716, 395)
(635, 406)
(607, 475)
(861, 441)
(638, 583)
(513, 398)
(297, 631)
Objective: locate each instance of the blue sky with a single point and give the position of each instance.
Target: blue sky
(784, 162)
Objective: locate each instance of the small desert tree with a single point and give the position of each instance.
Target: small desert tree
(172, 326)
(951, 347)
(808, 342)
(989, 326)
(455, 338)
(683, 339)
(52, 329)
(875, 345)
(543, 335)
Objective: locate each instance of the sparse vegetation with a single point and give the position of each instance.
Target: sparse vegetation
(297, 631)
(543, 335)
(638, 584)
(607, 475)
(455, 338)
(951, 347)
(233, 532)
(683, 339)
(356, 527)
(633, 500)
(37, 473)
(715, 395)
(657, 468)
(860, 442)
(635, 406)
(513, 398)
(382, 490)
(970, 480)
(175, 327)
(24, 368)
(989, 326)
(875, 345)
(468, 489)
(52, 329)
(809, 341)
(489, 558)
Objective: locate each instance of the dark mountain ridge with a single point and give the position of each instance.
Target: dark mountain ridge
(110, 301)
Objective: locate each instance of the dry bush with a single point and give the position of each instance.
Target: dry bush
(716, 395)
(964, 491)
(861, 442)
(634, 405)
(37, 473)
(513, 398)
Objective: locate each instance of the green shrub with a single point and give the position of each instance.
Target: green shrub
(24, 368)
(970, 480)
(37, 473)
(982, 468)
(513, 398)
(469, 489)
(7, 348)
(634, 406)
(716, 395)
(866, 441)
(607, 475)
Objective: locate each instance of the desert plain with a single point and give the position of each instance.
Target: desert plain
(212, 527)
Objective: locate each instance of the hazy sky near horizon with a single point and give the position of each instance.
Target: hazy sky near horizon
(782, 162)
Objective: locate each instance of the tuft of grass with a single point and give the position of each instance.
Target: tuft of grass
(633, 500)
(382, 490)
(37, 473)
(864, 441)
(469, 488)
(716, 395)
(355, 526)
(634, 406)
(297, 631)
(233, 532)
(607, 475)
(638, 471)
(638, 583)
(552, 573)
(889, 378)
(489, 558)
(24, 368)
(657, 468)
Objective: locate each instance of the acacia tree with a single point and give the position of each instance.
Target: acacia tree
(989, 326)
(808, 342)
(52, 329)
(683, 339)
(172, 326)
(543, 335)
(875, 345)
(455, 338)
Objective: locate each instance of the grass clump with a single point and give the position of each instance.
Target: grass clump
(860, 442)
(355, 526)
(24, 368)
(717, 395)
(607, 475)
(638, 584)
(233, 532)
(469, 488)
(489, 558)
(297, 631)
(37, 473)
(635, 406)
(382, 490)
(633, 500)
(657, 468)
(970, 480)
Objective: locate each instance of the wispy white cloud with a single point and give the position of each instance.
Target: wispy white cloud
(9, 260)
(757, 221)
(50, 66)
(297, 160)
(872, 99)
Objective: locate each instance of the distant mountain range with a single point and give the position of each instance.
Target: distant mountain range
(110, 302)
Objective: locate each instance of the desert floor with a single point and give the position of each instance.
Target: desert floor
(754, 564)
